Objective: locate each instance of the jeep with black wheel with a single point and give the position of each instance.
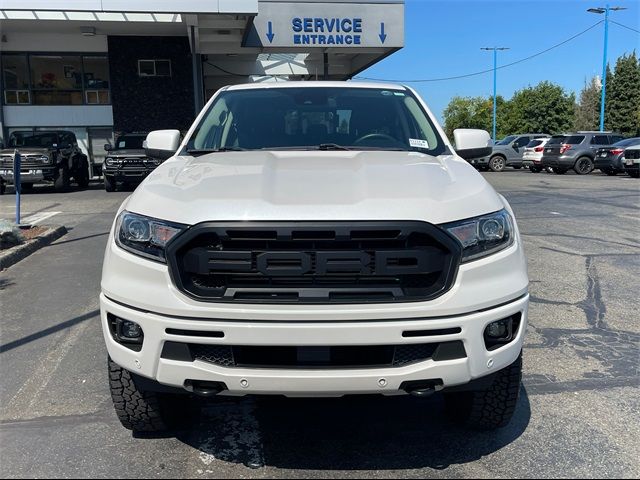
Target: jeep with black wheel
(46, 156)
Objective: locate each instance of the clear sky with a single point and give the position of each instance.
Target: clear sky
(443, 38)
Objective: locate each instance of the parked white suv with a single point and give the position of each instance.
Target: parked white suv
(314, 239)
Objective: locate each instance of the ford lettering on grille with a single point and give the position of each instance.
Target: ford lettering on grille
(315, 262)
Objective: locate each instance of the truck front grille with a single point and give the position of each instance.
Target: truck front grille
(305, 262)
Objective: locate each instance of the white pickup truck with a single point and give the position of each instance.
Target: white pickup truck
(314, 239)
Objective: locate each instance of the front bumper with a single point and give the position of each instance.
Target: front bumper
(28, 175)
(126, 174)
(314, 382)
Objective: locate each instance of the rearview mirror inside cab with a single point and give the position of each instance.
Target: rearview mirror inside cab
(472, 143)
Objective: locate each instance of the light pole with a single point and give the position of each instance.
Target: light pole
(600, 11)
(495, 85)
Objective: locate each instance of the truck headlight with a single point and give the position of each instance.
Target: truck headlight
(482, 236)
(145, 236)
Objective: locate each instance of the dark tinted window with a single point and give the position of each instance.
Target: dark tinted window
(556, 140)
(574, 139)
(614, 139)
(628, 142)
(600, 140)
(29, 139)
(129, 141)
(302, 118)
(522, 141)
(506, 140)
(534, 143)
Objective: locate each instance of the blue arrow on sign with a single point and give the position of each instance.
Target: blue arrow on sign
(382, 35)
(270, 33)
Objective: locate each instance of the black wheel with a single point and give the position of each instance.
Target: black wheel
(3, 188)
(497, 163)
(26, 187)
(611, 172)
(143, 411)
(491, 407)
(583, 166)
(559, 171)
(535, 169)
(517, 167)
(109, 184)
(634, 174)
(63, 180)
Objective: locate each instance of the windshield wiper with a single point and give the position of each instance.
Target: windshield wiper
(332, 146)
(204, 151)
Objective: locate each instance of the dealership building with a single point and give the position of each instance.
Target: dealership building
(102, 67)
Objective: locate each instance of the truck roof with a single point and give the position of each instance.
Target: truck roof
(312, 84)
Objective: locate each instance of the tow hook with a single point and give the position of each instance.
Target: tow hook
(204, 389)
(422, 388)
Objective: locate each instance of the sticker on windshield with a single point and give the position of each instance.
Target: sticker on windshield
(417, 143)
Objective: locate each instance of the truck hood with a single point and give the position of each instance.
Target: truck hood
(126, 152)
(25, 151)
(314, 185)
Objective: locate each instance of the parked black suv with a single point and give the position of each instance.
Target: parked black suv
(610, 160)
(576, 151)
(52, 156)
(127, 162)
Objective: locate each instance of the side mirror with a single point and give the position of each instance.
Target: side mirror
(162, 144)
(472, 143)
(107, 147)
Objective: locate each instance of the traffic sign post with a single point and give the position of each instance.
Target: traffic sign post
(16, 182)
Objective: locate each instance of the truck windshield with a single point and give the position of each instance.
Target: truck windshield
(30, 139)
(307, 118)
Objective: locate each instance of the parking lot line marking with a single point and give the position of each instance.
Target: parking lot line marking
(556, 213)
(38, 217)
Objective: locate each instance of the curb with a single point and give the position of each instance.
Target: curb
(19, 252)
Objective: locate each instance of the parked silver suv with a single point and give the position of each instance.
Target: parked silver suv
(507, 152)
(576, 151)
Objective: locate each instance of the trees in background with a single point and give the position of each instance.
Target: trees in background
(547, 108)
(623, 97)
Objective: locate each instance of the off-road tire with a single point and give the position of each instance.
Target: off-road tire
(63, 180)
(534, 169)
(26, 187)
(109, 185)
(138, 411)
(491, 407)
(497, 163)
(583, 166)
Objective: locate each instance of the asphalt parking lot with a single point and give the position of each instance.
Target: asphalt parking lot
(578, 414)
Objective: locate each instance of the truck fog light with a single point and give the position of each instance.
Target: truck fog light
(498, 329)
(501, 332)
(130, 330)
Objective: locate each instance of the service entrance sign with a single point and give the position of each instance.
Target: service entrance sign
(331, 25)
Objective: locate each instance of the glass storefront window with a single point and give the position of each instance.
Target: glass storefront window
(49, 79)
(15, 74)
(96, 80)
